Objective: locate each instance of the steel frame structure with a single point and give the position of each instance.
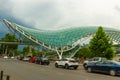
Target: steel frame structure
(61, 40)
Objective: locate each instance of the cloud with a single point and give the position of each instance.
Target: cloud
(117, 8)
(5, 10)
(50, 14)
(37, 13)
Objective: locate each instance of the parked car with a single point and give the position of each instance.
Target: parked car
(5, 57)
(42, 61)
(93, 60)
(26, 58)
(32, 59)
(20, 57)
(67, 63)
(12, 57)
(109, 67)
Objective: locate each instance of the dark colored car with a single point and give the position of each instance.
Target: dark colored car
(109, 67)
(32, 59)
(93, 60)
(42, 61)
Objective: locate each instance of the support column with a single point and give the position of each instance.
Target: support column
(30, 51)
(59, 53)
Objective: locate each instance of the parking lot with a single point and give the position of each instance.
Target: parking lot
(19, 70)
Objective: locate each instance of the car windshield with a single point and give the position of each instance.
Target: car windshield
(45, 59)
(109, 62)
(103, 59)
(116, 62)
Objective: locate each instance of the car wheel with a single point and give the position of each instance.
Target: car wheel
(66, 66)
(75, 67)
(89, 69)
(48, 63)
(42, 63)
(85, 66)
(56, 65)
(112, 72)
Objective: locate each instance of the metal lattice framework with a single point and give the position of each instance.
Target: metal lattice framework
(59, 40)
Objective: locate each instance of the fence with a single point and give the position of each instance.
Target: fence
(7, 77)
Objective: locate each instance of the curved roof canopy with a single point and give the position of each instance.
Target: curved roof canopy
(59, 38)
(64, 37)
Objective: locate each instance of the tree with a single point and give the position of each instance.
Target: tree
(9, 48)
(101, 45)
(84, 52)
(30, 50)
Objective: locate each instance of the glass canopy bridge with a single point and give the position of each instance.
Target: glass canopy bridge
(59, 40)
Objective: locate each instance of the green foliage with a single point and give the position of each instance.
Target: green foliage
(37, 53)
(25, 50)
(17, 52)
(109, 53)
(101, 45)
(28, 50)
(84, 52)
(9, 47)
(48, 53)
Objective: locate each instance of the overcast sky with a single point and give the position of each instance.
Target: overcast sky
(54, 14)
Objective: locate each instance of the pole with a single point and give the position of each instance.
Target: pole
(8, 77)
(1, 75)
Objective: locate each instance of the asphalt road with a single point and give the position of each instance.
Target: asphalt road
(19, 70)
